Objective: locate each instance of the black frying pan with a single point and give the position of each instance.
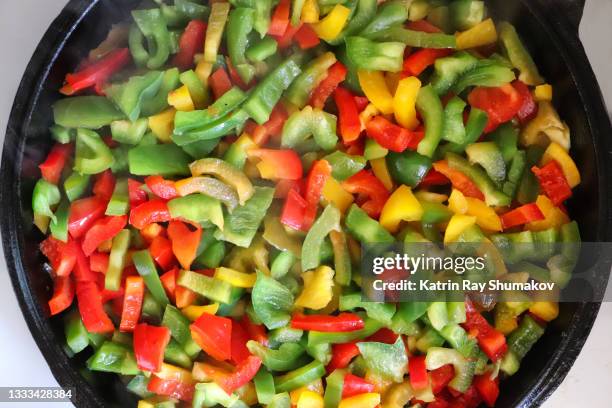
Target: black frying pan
(550, 29)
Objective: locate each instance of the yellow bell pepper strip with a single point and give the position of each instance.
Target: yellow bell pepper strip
(203, 70)
(401, 206)
(545, 127)
(554, 217)
(543, 93)
(457, 224)
(162, 125)
(317, 292)
(367, 400)
(214, 31)
(181, 100)
(331, 26)
(554, 151)
(375, 89)
(518, 54)
(310, 399)
(481, 34)
(381, 171)
(194, 312)
(334, 193)
(310, 12)
(227, 174)
(486, 217)
(404, 102)
(546, 311)
(398, 396)
(316, 386)
(236, 278)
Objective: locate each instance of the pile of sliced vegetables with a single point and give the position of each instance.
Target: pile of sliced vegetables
(217, 167)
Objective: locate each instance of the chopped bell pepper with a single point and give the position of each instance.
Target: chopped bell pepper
(375, 88)
(152, 26)
(554, 217)
(518, 55)
(554, 152)
(272, 301)
(456, 226)
(149, 345)
(149, 212)
(184, 242)
(117, 260)
(146, 268)
(350, 126)
(190, 44)
(372, 56)
(96, 74)
(102, 230)
(332, 24)
(483, 33)
(51, 168)
(302, 124)
(239, 25)
(317, 291)
(213, 333)
(132, 303)
(214, 32)
(391, 136)
(92, 312)
(387, 360)
(63, 294)
(429, 106)
(404, 102)
(366, 400)
(408, 167)
(92, 154)
(553, 182)
(280, 18)
(89, 112)
(402, 205)
(335, 75)
(486, 217)
(312, 75)
(522, 215)
(278, 164)
(364, 228)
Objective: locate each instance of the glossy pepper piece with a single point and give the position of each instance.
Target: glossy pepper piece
(372, 56)
(132, 303)
(367, 184)
(51, 168)
(190, 43)
(553, 182)
(335, 75)
(402, 205)
(152, 26)
(92, 155)
(391, 136)
(239, 25)
(323, 323)
(149, 345)
(97, 74)
(213, 334)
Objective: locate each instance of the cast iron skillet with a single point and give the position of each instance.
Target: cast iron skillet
(550, 29)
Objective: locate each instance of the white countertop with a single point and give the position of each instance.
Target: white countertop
(22, 24)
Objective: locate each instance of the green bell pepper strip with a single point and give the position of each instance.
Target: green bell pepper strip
(518, 54)
(371, 327)
(382, 312)
(159, 159)
(302, 124)
(174, 354)
(192, 9)
(488, 155)
(328, 221)
(220, 127)
(466, 13)
(342, 258)
(239, 25)
(453, 128)
(296, 11)
(288, 356)
(281, 400)
(178, 324)
(477, 121)
(321, 352)
(153, 26)
(120, 157)
(217, 189)
(464, 369)
(140, 55)
(264, 386)
(506, 138)
(449, 69)
(44, 197)
(282, 263)
(299, 377)
(213, 255)
(529, 187)
(488, 73)
(304, 84)
(89, 112)
(146, 268)
(263, 11)
(113, 358)
(430, 108)
(283, 335)
(345, 165)
(124, 131)
(413, 38)
(262, 49)
(431, 338)
(434, 213)
(365, 229)
(408, 167)
(117, 260)
(212, 395)
(138, 385)
(369, 55)
(119, 204)
(458, 339)
(128, 96)
(520, 342)
(151, 310)
(271, 301)
(390, 14)
(401, 324)
(76, 334)
(157, 103)
(199, 93)
(388, 360)
(334, 383)
(363, 14)
(267, 92)
(59, 225)
(198, 208)
(242, 224)
(92, 155)
(373, 150)
(214, 289)
(200, 149)
(493, 196)
(62, 134)
(351, 80)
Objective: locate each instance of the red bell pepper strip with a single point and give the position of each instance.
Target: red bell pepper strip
(424, 26)
(459, 180)
(173, 388)
(285, 162)
(185, 242)
(136, 194)
(344, 322)
(98, 262)
(362, 102)
(553, 182)
(260, 134)
(342, 354)
(92, 312)
(317, 177)
(184, 297)
(501, 104)
(306, 37)
(335, 75)
(280, 18)
(434, 178)
(294, 210)
(63, 294)
(190, 43)
(284, 186)
(286, 39)
(245, 371)
(391, 136)
(419, 61)
(366, 184)
(61, 256)
(384, 335)
(103, 229)
(51, 169)
(354, 385)
(487, 388)
(161, 251)
(240, 336)
(149, 345)
(213, 334)
(529, 108)
(348, 115)
(148, 212)
(219, 82)
(256, 332)
(440, 377)
(418, 372)
(168, 281)
(82, 272)
(162, 188)
(98, 73)
(521, 215)
(132, 303)
(83, 214)
(490, 340)
(104, 185)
